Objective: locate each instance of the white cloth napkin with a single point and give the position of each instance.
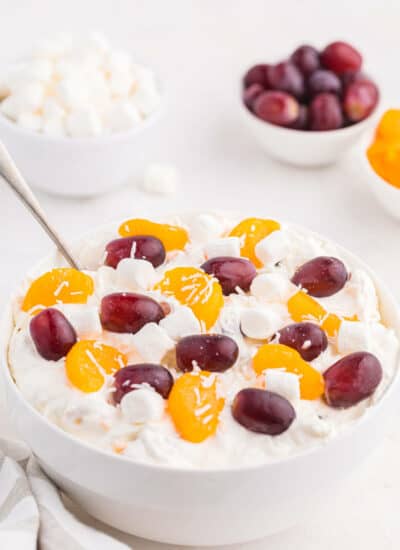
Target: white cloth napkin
(32, 513)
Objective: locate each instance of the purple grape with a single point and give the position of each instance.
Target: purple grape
(156, 376)
(210, 352)
(262, 411)
(360, 100)
(277, 108)
(231, 273)
(129, 312)
(340, 57)
(258, 74)
(251, 93)
(307, 338)
(325, 113)
(146, 248)
(352, 379)
(52, 334)
(324, 81)
(286, 77)
(306, 58)
(321, 276)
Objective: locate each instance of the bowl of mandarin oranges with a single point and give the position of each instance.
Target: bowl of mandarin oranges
(198, 363)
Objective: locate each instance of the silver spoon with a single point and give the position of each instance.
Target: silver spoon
(16, 182)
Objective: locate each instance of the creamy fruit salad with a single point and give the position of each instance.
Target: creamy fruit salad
(207, 342)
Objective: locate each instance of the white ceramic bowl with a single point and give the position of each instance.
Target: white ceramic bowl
(79, 167)
(387, 195)
(303, 148)
(200, 507)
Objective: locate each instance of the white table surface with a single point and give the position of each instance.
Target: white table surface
(200, 48)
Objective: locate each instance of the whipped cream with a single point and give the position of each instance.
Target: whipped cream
(150, 436)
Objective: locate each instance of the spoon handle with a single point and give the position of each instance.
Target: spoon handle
(16, 182)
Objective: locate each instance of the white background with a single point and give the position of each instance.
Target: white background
(200, 48)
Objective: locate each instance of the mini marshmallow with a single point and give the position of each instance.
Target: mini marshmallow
(205, 227)
(273, 248)
(73, 93)
(83, 123)
(118, 60)
(353, 336)
(161, 179)
(52, 109)
(31, 96)
(142, 405)
(86, 321)
(259, 323)
(228, 246)
(273, 287)
(30, 121)
(40, 70)
(123, 116)
(54, 127)
(283, 383)
(121, 82)
(133, 274)
(181, 322)
(105, 279)
(152, 343)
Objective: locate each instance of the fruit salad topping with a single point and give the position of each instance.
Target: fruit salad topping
(252, 328)
(312, 90)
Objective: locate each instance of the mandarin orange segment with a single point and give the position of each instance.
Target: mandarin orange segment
(251, 231)
(173, 237)
(384, 158)
(278, 356)
(303, 307)
(65, 285)
(194, 406)
(89, 361)
(196, 289)
(389, 125)
(331, 324)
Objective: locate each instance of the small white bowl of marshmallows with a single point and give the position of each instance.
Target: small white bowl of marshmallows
(76, 114)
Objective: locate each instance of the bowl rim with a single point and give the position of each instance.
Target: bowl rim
(7, 319)
(353, 128)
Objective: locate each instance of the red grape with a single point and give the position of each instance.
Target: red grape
(129, 312)
(211, 352)
(251, 93)
(324, 81)
(325, 112)
(127, 378)
(146, 248)
(353, 76)
(306, 58)
(301, 123)
(277, 107)
(52, 334)
(286, 77)
(307, 338)
(231, 273)
(360, 100)
(262, 411)
(352, 379)
(258, 74)
(322, 276)
(340, 57)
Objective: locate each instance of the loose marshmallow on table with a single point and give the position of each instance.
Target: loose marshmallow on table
(259, 323)
(273, 248)
(272, 287)
(133, 274)
(161, 179)
(152, 343)
(228, 246)
(283, 383)
(180, 323)
(142, 405)
(99, 90)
